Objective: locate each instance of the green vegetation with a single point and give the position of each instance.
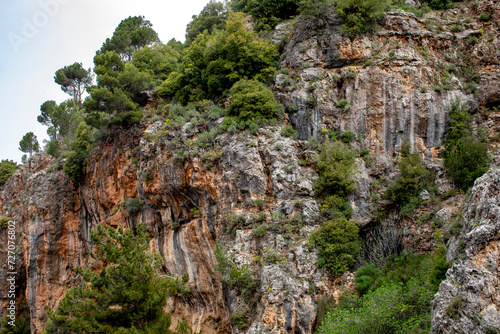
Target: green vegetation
(336, 168)
(76, 163)
(215, 61)
(62, 121)
(29, 144)
(484, 17)
(414, 178)
(127, 295)
(132, 205)
(288, 131)
(252, 100)
(132, 34)
(22, 322)
(7, 168)
(266, 13)
(361, 16)
(73, 79)
(338, 245)
(242, 278)
(394, 299)
(393, 308)
(465, 156)
(213, 16)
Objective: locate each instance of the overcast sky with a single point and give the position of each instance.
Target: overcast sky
(38, 37)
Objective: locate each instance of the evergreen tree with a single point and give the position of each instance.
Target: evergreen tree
(127, 295)
(73, 80)
(29, 144)
(132, 34)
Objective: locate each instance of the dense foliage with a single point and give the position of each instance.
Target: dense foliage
(29, 144)
(361, 16)
(338, 245)
(76, 158)
(132, 34)
(73, 79)
(393, 299)
(336, 167)
(7, 168)
(252, 99)
(266, 13)
(127, 295)
(62, 121)
(465, 156)
(214, 62)
(213, 16)
(414, 178)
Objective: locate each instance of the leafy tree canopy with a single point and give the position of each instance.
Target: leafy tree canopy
(159, 60)
(118, 84)
(29, 144)
(252, 99)
(73, 80)
(361, 16)
(465, 156)
(214, 62)
(336, 167)
(212, 17)
(267, 13)
(338, 245)
(127, 295)
(132, 34)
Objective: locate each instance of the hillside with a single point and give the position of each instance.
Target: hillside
(237, 188)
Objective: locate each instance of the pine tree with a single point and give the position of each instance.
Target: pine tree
(127, 295)
(29, 144)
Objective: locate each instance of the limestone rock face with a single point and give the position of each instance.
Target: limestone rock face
(468, 301)
(254, 193)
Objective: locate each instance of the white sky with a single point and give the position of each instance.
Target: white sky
(65, 31)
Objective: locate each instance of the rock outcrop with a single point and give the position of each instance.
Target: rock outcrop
(253, 193)
(468, 301)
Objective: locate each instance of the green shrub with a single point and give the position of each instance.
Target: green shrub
(252, 99)
(414, 178)
(348, 136)
(455, 307)
(361, 16)
(465, 156)
(338, 245)
(368, 278)
(260, 230)
(393, 308)
(288, 131)
(238, 318)
(344, 104)
(484, 17)
(132, 205)
(7, 168)
(76, 159)
(440, 4)
(456, 28)
(336, 167)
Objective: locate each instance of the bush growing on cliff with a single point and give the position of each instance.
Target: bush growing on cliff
(127, 295)
(252, 100)
(7, 168)
(414, 178)
(361, 16)
(215, 61)
(336, 167)
(338, 245)
(76, 163)
(465, 156)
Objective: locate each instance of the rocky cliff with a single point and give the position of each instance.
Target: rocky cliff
(396, 83)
